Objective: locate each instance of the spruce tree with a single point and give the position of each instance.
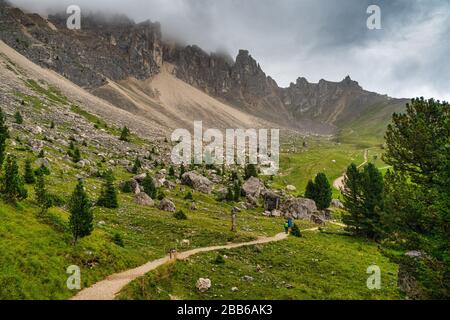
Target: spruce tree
(76, 155)
(171, 171)
(29, 176)
(324, 194)
(12, 183)
(108, 195)
(310, 192)
(42, 197)
(149, 186)
(229, 195)
(4, 135)
(250, 171)
(137, 165)
(18, 117)
(125, 134)
(81, 217)
(237, 190)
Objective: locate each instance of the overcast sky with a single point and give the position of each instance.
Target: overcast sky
(314, 39)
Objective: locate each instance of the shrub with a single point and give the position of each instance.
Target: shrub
(117, 239)
(296, 231)
(219, 259)
(180, 215)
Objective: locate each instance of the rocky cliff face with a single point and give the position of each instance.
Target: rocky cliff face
(114, 48)
(117, 48)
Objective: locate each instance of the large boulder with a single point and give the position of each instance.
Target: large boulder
(167, 205)
(298, 208)
(203, 284)
(252, 187)
(197, 182)
(271, 201)
(144, 200)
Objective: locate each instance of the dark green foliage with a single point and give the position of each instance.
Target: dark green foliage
(229, 196)
(310, 192)
(81, 217)
(237, 189)
(42, 170)
(43, 199)
(320, 191)
(28, 175)
(219, 259)
(416, 212)
(12, 186)
(149, 186)
(189, 196)
(108, 195)
(117, 239)
(418, 141)
(4, 134)
(18, 117)
(363, 200)
(251, 171)
(137, 165)
(127, 187)
(41, 154)
(296, 231)
(182, 170)
(125, 134)
(76, 155)
(171, 172)
(161, 195)
(52, 125)
(180, 215)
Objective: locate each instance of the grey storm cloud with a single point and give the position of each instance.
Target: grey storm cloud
(314, 39)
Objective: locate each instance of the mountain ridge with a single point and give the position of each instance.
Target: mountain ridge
(118, 49)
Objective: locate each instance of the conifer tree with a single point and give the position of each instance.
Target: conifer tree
(125, 134)
(324, 193)
(76, 155)
(310, 192)
(149, 186)
(108, 195)
(137, 165)
(12, 183)
(4, 135)
(29, 176)
(42, 197)
(251, 171)
(18, 117)
(81, 217)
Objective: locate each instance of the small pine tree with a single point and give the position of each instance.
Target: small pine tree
(29, 176)
(12, 183)
(18, 117)
(81, 217)
(42, 170)
(42, 197)
(76, 155)
(171, 171)
(237, 191)
(4, 135)
(219, 259)
(324, 193)
(117, 239)
(251, 171)
(108, 195)
(137, 165)
(52, 125)
(41, 154)
(125, 134)
(182, 170)
(189, 196)
(149, 186)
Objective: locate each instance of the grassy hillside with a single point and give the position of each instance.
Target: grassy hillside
(321, 265)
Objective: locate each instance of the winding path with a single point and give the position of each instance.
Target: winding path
(107, 289)
(339, 182)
